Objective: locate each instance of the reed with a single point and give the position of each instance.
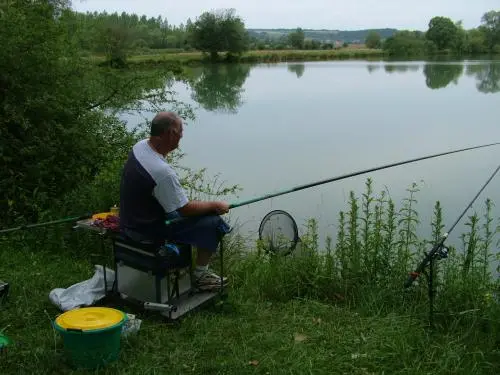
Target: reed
(377, 246)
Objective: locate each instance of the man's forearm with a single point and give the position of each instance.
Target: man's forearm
(194, 208)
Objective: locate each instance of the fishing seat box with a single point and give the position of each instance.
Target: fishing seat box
(151, 272)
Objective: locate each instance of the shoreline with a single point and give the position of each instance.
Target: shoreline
(267, 56)
(279, 56)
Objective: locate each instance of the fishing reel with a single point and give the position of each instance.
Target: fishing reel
(442, 252)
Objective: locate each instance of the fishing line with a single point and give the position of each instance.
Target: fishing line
(439, 245)
(313, 184)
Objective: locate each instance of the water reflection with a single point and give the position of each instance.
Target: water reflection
(441, 75)
(298, 69)
(487, 76)
(400, 68)
(219, 87)
(372, 68)
(438, 76)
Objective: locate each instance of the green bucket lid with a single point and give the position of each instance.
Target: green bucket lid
(4, 341)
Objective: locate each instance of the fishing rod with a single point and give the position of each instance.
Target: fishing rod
(439, 251)
(440, 244)
(29, 226)
(267, 196)
(306, 186)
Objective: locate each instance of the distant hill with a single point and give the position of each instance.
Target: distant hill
(325, 36)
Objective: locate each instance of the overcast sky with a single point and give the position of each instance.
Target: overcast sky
(313, 14)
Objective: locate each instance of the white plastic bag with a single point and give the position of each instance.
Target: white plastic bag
(131, 326)
(85, 293)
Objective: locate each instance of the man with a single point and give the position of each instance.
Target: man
(150, 193)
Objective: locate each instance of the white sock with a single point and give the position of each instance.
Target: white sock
(200, 270)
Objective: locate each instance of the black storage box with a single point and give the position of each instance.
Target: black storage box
(149, 273)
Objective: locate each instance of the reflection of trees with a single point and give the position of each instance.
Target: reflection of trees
(400, 68)
(438, 76)
(219, 86)
(487, 76)
(371, 68)
(298, 69)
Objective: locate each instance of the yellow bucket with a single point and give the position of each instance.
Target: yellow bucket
(91, 335)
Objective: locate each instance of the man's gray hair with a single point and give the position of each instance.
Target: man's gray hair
(162, 122)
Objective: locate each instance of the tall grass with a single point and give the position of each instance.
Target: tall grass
(377, 247)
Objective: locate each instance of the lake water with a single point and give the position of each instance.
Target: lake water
(272, 127)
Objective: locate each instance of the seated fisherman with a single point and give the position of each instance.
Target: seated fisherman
(150, 193)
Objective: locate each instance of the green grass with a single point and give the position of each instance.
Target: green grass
(293, 337)
(189, 58)
(341, 310)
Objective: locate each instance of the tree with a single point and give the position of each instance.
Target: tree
(460, 44)
(476, 41)
(311, 44)
(491, 26)
(115, 39)
(57, 126)
(219, 31)
(443, 32)
(46, 147)
(296, 38)
(373, 40)
(408, 43)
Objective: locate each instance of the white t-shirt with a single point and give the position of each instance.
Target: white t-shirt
(167, 190)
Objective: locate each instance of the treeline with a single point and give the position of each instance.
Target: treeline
(445, 36)
(94, 31)
(118, 35)
(277, 39)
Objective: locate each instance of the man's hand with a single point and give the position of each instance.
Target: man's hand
(221, 208)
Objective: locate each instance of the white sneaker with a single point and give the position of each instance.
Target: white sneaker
(209, 281)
